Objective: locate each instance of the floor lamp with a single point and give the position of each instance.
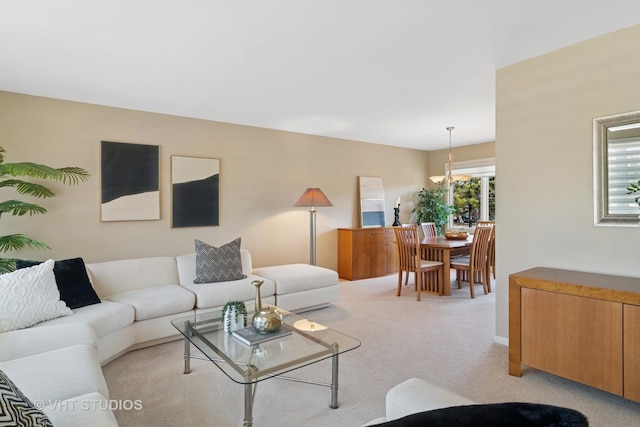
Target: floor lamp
(313, 198)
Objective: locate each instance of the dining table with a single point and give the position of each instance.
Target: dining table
(440, 248)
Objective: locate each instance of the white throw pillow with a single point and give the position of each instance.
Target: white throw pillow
(29, 296)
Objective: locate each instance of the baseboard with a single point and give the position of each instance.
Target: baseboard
(311, 308)
(501, 340)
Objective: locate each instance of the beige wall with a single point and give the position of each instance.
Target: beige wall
(438, 158)
(263, 172)
(545, 108)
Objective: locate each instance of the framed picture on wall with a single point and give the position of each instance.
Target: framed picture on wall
(371, 201)
(195, 190)
(129, 181)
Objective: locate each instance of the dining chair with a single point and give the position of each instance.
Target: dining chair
(475, 266)
(410, 262)
(429, 229)
(491, 256)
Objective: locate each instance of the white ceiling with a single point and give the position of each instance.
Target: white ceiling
(394, 72)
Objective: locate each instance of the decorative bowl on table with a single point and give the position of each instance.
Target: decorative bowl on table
(456, 235)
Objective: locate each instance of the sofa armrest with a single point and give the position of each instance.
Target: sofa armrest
(416, 395)
(375, 422)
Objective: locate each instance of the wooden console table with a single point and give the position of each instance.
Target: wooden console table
(366, 252)
(581, 326)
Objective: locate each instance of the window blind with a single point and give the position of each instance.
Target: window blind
(623, 168)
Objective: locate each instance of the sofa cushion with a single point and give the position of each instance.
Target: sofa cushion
(115, 277)
(58, 374)
(494, 415)
(16, 409)
(211, 295)
(25, 342)
(292, 278)
(72, 281)
(218, 264)
(104, 318)
(29, 296)
(158, 301)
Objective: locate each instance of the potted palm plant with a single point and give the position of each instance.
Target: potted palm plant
(9, 177)
(432, 207)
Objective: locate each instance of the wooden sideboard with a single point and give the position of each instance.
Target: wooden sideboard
(366, 252)
(581, 326)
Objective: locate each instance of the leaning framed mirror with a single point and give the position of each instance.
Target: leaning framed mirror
(616, 165)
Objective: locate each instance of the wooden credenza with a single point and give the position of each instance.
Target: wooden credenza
(366, 252)
(577, 325)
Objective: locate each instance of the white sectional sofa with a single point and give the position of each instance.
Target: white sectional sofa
(57, 362)
(57, 368)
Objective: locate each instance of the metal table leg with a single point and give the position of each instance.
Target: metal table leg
(334, 377)
(249, 391)
(187, 356)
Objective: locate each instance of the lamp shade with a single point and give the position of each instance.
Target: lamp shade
(312, 197)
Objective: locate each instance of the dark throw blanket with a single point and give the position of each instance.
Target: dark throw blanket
(494, 415)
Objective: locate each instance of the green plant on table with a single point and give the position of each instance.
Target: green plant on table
(8, 172)
(432, 207)
(239, 307)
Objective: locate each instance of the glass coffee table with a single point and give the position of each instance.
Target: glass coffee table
(309, 342)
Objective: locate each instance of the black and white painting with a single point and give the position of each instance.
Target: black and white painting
(130, 182)
(195, 184)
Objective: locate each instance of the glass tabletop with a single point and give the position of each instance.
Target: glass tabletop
(309, 342)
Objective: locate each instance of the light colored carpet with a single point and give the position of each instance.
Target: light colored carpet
(445, 340)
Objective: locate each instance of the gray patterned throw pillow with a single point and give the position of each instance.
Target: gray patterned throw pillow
(218, 264)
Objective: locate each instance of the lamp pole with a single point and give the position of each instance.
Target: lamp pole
(312, 236)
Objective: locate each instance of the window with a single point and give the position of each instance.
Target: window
(475, 200)
(624, 168)
(616, 164)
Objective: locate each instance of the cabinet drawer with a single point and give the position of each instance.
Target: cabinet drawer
(380, 236)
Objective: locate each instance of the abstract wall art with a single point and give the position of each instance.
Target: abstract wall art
(130, 182)
(371, 202)
(195, 187)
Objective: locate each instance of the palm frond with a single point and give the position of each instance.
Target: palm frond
(14, 242)
(18, 208)
(71, 175)
(68, 175)
(7, 265)
(24, 187)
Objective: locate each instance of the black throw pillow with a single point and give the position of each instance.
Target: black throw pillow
(72, 280)
(509, 414)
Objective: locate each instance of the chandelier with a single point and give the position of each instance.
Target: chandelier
(448, 179)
